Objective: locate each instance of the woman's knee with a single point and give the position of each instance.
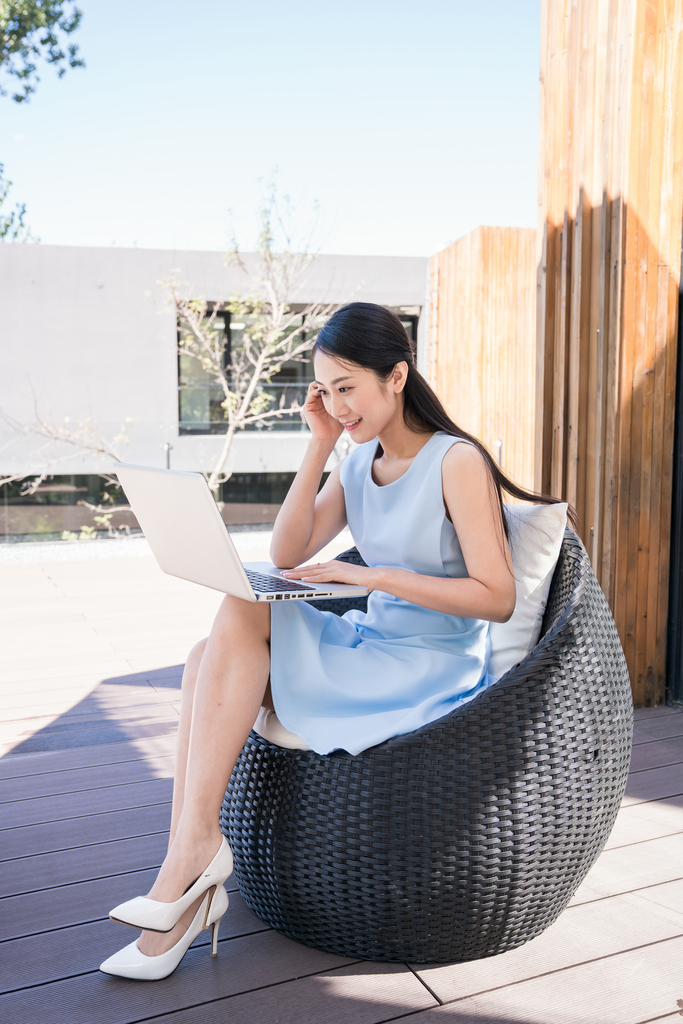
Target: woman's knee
(234, 613)
(192, 664)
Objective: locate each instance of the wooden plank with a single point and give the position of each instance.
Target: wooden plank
(654, 784)
(100, 667)
(29, 787)
(62, 701)
(242, 965)
(657, 754)
(616, 134)
(669, 897)
(16, 766)
(41, 714)
(485, 367)
(90, 657)
(598, 382)
(661, 728)
(542, 377)
(65, 906)
(69, 951)
(54, 641)
(71, 806)
(645, 135)
(361, 994)
(558, 479)
(631, 988)
(630, 868)
(145, 682)
(665, 348)
(581, 935)
(182, 639)
(629, 493)
(98, 703)
(49, 870)
(635, 293)
(654, 809)
(668, 402)
(639, 823)
(142, 661)
(88, 831)
(658, 711)
(673, 62)
(611, 201)
(82, 685)
(64, 738)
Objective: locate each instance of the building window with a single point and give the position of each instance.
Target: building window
(251, 499)
(409, 319)
(200, 398)
(55, 506)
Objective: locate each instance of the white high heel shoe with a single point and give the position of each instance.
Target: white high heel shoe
(129, 962)
(142, 912)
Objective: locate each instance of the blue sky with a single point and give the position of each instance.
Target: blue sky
(409, 123)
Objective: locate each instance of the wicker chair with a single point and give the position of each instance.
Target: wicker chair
(465, 838)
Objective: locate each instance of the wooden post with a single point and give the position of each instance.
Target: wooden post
(608, 251)
(482, 346)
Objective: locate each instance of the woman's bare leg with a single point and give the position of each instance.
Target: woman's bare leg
(231, 679)
(190, 673)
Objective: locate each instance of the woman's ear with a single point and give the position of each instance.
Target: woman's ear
(399, 376)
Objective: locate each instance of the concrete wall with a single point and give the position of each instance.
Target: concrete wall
(89, 331)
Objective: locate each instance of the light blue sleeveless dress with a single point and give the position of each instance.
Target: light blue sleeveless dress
(351, 682)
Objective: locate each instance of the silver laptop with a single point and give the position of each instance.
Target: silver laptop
(180, 519)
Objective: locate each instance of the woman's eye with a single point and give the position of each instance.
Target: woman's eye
(342, 390)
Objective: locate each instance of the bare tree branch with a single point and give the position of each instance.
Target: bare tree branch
(84, 437)
(274, 333)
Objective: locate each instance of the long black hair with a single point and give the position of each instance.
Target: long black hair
(373, 337)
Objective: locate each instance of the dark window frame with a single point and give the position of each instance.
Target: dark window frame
(218, 427)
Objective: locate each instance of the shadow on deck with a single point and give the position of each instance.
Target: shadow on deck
(86, 804)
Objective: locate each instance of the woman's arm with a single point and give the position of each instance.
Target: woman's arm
(489, 592)
(309, 520)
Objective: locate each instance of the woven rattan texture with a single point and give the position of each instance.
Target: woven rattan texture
(463, 839)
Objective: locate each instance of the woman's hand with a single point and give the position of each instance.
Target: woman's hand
(323, 426)
(333, 572)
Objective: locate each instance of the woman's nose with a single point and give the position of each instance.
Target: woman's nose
(338, 406)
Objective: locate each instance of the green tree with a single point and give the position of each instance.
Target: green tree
(32, 30)
(12, 225)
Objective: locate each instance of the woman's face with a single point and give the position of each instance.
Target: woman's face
(356, 396)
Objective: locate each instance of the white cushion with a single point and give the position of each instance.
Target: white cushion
(536, 533)
(269, 726)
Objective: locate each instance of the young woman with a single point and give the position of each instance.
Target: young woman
(423, 502)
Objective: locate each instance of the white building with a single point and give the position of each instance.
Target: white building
(89, 333)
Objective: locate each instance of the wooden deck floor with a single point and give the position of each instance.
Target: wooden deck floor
(89, 698)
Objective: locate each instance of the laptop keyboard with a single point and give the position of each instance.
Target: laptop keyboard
(272, 585)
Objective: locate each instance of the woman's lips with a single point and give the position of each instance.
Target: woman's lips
(353, 424)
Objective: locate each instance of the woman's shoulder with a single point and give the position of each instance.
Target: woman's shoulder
(453, 451)
(461, 452)
(460, 464)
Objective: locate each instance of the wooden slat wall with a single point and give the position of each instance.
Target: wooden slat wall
(482, 340)
(609, 240)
